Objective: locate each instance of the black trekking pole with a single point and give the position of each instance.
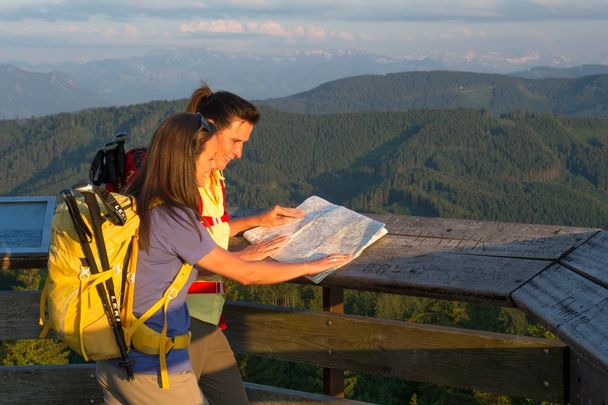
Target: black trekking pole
(109, 150)
(82, 229)
(85, 237)
(96, 173)
(116, 213)
(120, 139)
(90, 200)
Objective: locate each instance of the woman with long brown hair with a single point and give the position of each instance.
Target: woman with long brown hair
(180, 157)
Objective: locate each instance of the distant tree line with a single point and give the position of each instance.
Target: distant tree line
(582, 97)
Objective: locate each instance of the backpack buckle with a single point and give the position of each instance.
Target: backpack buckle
(85, 273)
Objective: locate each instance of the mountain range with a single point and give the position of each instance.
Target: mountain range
(173, 74)
(585, 96)
(544, 72)
(24, 93)
(519, 166)
(168, 75)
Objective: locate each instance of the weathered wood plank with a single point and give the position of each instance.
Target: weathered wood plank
(591, 259)
(547, 248)
(543, 242)
(267, 395)
(76, 384)
(19, 313)
(37, 261)
(466, 229)
(571, 306)
(507, 364)
(50, 384)
(392, 266)
(428, 235)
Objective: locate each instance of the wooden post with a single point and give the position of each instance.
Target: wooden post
(333, 379)
(587, 382)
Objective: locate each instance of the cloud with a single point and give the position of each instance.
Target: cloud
(212, 26)
(310, 10)
(268, 27)
(457, 32)
(345, 36)
(71, 29)
(272, 28)
(123, 33)
(574, 28)
(466, 32)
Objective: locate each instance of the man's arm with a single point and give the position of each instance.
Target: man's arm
(275, 216)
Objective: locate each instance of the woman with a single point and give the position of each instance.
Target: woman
(212, 358)
(180, 157)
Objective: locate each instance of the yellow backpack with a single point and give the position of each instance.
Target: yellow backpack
(89, 298)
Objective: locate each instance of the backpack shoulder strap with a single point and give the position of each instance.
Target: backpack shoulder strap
(138, 334)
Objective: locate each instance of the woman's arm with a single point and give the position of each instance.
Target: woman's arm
(229, 265)
(262, 248)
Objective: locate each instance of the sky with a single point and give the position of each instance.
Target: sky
(558, 32)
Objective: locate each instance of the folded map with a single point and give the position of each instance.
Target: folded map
(326, 228)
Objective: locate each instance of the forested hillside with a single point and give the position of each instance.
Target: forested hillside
(522, 167)
(42, 155)
(584, 96)
(462, 163)
(541, 72)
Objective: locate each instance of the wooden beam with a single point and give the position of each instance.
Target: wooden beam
(268, 395)
(512, 365)
(19, 313)
(501, 363)
(573, 307)
(13, 261)
(76, 383)
(50, 384)
(590, 259)
(398, 266)
(490, 232)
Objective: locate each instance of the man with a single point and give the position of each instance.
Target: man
(211, 356)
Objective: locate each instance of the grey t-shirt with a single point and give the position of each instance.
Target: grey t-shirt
(173, 240)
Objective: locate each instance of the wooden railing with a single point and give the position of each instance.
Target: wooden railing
(556, 275)
(507, 364)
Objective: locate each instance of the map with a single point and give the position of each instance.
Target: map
(326, 228)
